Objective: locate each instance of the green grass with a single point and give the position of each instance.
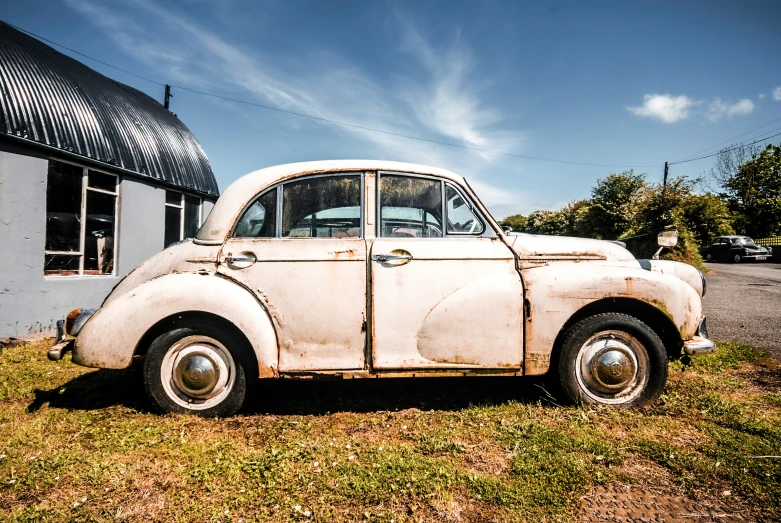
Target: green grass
(82, 445)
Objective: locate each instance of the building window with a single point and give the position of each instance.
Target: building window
(81, 211)
(182, 216)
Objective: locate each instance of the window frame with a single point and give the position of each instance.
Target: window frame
(486, 232)
(85, 188)
(181, 214)
(279, 187)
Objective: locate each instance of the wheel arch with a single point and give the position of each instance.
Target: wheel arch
(193, 317)
(123, 328)
(656, 319)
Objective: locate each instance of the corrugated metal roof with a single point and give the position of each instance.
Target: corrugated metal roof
(54, 100)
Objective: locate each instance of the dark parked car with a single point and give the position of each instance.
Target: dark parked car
(735, 249)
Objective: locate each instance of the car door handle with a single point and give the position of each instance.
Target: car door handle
(239, 259)
(390, 257)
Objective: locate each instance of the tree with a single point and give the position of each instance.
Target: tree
(754, 193)
(613, 204)
(707, 216)
(729, 161)
(545, 222)
(516, 221)
(574, 218)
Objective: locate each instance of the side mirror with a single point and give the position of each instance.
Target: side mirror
(507, 229)
(667, 238)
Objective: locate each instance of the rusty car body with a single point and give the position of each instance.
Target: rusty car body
(348, 269)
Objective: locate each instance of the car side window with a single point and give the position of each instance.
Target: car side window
(461, 219)
(322, 207)
(410, 207)
(259, 220)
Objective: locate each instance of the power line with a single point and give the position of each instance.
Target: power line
(729, 140)
(80, 54)
(328, 120)
(764, 139)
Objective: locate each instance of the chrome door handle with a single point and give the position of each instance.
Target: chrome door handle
(390, 257)
(239, 259)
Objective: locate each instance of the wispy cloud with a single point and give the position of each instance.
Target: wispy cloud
(444, 103)
(718, 109)
(664, 107)
(777, 94)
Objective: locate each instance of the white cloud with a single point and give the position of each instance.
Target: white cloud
(718, 109)
(777, 94)
(761, 96)
(664, 107)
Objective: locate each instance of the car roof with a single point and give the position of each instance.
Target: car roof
(243, 191)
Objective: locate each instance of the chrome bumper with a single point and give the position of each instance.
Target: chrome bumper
(700, 344)
(62, 344)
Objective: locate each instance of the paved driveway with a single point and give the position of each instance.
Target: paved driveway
(743, 304)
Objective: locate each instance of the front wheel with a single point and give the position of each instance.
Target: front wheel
(737, 258)
(611, 359)
(199, 369)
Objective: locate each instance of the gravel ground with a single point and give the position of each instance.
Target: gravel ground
(743, 304)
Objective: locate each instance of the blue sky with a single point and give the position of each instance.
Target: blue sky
(628, 83)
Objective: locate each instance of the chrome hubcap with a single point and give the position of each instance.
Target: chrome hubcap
(198, 372)
(612, 367)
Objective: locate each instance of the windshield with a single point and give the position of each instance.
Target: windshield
(742, 241)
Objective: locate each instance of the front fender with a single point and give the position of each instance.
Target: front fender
(555, 292)
(110, 337)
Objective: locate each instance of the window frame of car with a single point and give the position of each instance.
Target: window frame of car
(279, 201)
(487, 232)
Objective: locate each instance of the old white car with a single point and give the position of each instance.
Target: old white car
(352, 269)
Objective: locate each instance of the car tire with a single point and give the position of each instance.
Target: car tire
(709, 257)
(610, 359)
(737, 258)
(199, 368)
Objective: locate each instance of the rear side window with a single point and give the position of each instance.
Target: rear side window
(322, 207)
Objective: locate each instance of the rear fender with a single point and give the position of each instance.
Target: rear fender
(111, 336)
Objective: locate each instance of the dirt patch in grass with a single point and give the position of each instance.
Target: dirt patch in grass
(83, 445)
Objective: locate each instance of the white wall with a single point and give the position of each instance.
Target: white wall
(30, 302)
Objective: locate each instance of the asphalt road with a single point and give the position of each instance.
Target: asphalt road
(743, 304)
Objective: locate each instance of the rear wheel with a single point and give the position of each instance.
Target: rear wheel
(200, 369)
(709, 257)
(611, 359)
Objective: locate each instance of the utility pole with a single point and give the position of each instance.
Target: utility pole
(664, 190)
(168, 96)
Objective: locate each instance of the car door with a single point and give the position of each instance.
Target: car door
(445, 290)
(300, 248)
(721, 249)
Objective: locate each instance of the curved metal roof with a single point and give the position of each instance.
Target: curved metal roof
(51, 99)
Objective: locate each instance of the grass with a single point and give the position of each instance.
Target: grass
(82, 445)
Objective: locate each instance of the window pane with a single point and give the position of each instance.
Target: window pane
(61, 265)
(173, 197)
(173, 224)
(460, 218)
(99, 235)
(103, 181)
(63, 207)
(410, 207)
(326, 207)
(192, 207)
(259, 220)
